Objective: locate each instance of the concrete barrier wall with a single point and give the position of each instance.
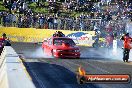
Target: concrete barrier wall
(12, 71)
(3, 73)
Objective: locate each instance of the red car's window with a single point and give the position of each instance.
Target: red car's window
(59, 41)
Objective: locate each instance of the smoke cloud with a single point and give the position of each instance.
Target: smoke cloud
(36, 53)
(104, 53)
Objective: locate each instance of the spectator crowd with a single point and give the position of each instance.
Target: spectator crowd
(103, 17)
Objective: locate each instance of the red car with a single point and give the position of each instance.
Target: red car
(61, 47)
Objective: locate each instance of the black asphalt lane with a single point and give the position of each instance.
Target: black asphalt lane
(47, 75)
(61, 73)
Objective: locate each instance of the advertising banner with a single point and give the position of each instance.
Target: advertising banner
(38, 35)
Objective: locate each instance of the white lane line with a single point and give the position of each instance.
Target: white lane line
(36, 77)
(101, 85)
(104, 85)
(98, 68)
(70, 62)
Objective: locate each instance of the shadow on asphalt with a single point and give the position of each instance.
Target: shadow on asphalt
(45, 75)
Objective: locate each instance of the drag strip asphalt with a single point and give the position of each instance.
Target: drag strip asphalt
(48, 72)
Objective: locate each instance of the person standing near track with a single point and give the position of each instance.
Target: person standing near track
(5, 40)
(58, 34)
(127, 46)
(2, 40)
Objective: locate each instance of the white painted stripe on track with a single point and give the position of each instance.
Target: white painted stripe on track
(68, 62)
(98, 68)
(106, 86)
(71, 62)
